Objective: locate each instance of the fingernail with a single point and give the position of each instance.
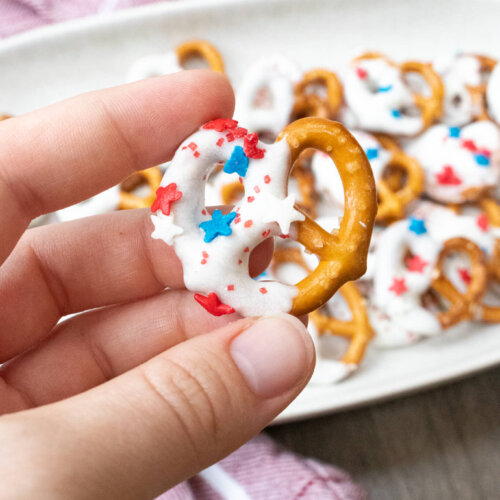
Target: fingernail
(274, 355)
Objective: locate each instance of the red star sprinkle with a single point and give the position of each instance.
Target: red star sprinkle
(263, 290)
(464, 275)
(482, 222)
(448, 177)
(267, 179)
(213, 304)
(398, 286)
(165, 196)
(416, 264)
(362, 73)
(221, 124)
(468, 144)
(250, 147)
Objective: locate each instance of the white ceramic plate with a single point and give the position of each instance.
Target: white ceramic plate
(50, 64)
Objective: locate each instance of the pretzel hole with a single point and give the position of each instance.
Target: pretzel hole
(417, 83)
(396, 177)
(137, 185)
(195, 61)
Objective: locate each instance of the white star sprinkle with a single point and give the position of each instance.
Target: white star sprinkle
(280, 211)
(165, 229)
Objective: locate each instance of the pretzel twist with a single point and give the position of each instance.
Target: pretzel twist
(311, 104)
(203, 49)
(128, 200)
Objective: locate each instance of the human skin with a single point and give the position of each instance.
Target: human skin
(146, 388)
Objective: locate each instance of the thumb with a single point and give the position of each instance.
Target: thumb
(148, 429)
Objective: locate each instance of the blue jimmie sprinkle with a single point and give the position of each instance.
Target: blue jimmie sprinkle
(482, 160)
(454, 132)
(385, 89)
(372, 153)
(396, 113)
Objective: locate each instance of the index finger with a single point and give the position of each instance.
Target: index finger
(65, 153)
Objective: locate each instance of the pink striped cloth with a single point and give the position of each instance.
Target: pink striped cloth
(259, 470)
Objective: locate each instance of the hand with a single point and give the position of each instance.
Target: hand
(135, 395)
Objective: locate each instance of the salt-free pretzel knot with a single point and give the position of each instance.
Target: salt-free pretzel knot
(150, 178)
(173, 61)
(309, 103)
(380, 99)
(462, 306)
(4, 117)
(214, 248)
(478, 91)
(203, 49)
(357, 330)
(399, 177)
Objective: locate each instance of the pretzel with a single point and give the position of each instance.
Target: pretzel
(214, 249)
(203, 49)
(460, 163)
(465, 88)
(378, 96)
(4, 117)
(386, 158)
(493, 94)
(265, 97)
(357, 330)
(409, 263)
(173, 61)
(311, 103)
(128, 200)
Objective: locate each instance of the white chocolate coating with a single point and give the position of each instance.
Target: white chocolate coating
(454, 165)
(493, 94)
(265, 97)
(458, 74)
(328, 181)
(221, 265)
(153, 65)
(378, 99)
(101, 203)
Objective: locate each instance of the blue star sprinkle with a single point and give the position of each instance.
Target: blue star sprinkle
(218, 226)
(454, 132)
(396, 113)
(372, 153)
(385, 89)
(237, 163)
(482, 160)
(417, 226)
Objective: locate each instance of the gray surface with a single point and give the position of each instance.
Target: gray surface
(441, 444)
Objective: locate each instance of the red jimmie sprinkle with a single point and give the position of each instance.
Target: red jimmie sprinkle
(165, 196)
(250, 199)
(213, 304)
(246, 249)
(248, 223)
(263, 290)
(250, 147)
(220, 142)
(203, 261)
(464, 275)
(240, 261)
(230, 288)
(204, 212)
(196, 154)
(267, 179)
(265, 234)
(192, 146)
(221, 124)
(237, 220)
(205, 254)
(256, 189)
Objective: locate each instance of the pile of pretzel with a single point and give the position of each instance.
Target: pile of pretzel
(430, 134)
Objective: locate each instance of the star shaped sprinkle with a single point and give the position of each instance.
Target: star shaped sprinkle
(464, 275)
(482, 222)
(416, 264)
(213, 304)
(372, 153)
(165, 196)
(454, 132)
(361, 72)
(218, 225)
(237, 163)
(250, 147)
(417, 226)
(447, 177)
(280, 211)
(165, 229)
(398, 286)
